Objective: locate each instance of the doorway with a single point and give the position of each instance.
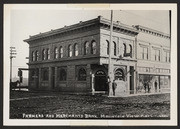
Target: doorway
(101, 81)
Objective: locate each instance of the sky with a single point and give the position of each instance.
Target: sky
(24, 23)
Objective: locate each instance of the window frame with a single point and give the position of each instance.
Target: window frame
(80, 76)
(56, 53)
(70, 50)
(93, 47)
(60, 52)
(76, 51)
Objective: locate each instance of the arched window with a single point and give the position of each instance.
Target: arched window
(82, 74)
(33, 56)
(55, 53)
(119, 74)
(107, 51)
(124, 45)
(130, 50)
(37, 55)
(62, 74)
(70, 50)
(86, 46)
(76, 49)
(43, 54)
(114, 48)
(93, 47)
(60, 52)
(48, 54)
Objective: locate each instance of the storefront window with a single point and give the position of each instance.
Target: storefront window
(62, 74)
(45, 74)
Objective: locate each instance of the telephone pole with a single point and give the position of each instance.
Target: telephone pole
(110, 66)
(12, 53)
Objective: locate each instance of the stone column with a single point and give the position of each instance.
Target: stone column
(92, 84)
(128, 78)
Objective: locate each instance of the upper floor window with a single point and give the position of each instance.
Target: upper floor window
(167, 56)
(114, 48)
(82, 74)
(48, 53)
(93, 47)
(43, 54)
(55, 52)
(37, 55)
(60, 52)
(62, 74)
(130, 50)
(76, 49)
(124, 49)
(70, 50)
(156, 53)
(144, 53)
(107, 50)
(86, 47)
(33, 56)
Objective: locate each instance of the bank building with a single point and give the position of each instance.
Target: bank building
(75, 58)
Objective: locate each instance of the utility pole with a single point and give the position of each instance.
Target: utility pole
(12, 53)
(110, 66)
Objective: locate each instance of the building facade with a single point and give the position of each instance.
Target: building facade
(75, 58)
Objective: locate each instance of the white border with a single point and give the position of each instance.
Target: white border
(173, 114)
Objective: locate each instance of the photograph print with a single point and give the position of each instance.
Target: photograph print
(76, 64)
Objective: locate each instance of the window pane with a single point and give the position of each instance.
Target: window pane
(76, 50)
(45, 74)
(56, 53)
(61, 52)
(82, 74)
(62, 74)
(70, 50)
(37, 55)
(93, 47)
(48, 54)
(86, 46)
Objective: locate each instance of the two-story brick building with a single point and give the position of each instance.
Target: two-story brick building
(75, 58)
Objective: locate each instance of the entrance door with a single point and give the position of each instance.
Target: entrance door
(101, 81)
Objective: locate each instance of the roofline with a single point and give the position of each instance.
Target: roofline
(152, 30)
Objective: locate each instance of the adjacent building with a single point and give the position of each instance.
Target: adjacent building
(75, 58)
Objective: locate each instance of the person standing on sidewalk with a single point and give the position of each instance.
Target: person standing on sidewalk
(114, 86)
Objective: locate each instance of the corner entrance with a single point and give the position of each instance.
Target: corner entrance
(101, 81)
